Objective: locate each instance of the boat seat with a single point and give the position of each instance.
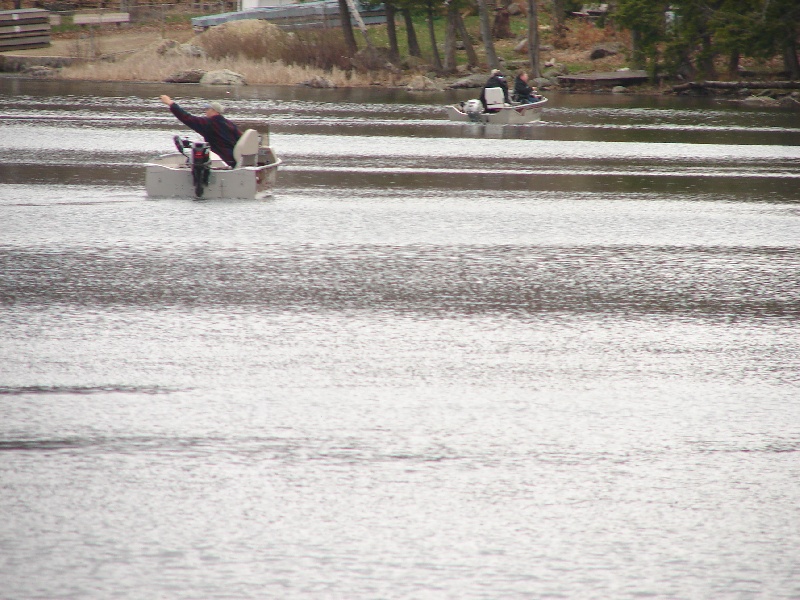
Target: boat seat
(495, 98)
(245, 152)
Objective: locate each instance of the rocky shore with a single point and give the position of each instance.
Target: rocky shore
(182, 58)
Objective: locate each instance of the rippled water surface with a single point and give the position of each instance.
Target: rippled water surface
(441, 361)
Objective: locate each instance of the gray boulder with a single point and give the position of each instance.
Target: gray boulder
(422, 84)
(188, 76)
(471, 81)
(555, 70)
(603, 50)
(789, 102)
(223, 77)
(191, 50)
(173, 48)
(40, 71)
(164, 46)
(619, 89)
(759, 101)
(319, 82)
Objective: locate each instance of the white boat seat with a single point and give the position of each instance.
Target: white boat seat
(495, 98)
(245, 152)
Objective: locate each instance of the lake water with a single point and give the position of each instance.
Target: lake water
(441, 361)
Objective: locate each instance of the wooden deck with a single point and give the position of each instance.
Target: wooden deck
(604, 79)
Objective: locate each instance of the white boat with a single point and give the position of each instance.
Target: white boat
(203, 174)
(498, 113)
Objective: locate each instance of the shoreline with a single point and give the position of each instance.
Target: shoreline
(64, 51)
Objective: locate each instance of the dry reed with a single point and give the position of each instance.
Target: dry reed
(255, 72)
(259, 51)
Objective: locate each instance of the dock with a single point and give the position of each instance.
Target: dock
(609, 79)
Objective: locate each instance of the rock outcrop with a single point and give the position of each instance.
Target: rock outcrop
(223, 77)
(319, 82)
(188, 76)
(420, 83)
(471, 81)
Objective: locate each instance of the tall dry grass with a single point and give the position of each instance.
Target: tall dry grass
(260, 40)
(253, 39)
(255, 72)
(258, 50)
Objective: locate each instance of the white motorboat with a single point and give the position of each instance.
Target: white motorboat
(202, 174)
(497, 112)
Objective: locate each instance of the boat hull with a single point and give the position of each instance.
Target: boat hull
(170, 176)
(519, 114)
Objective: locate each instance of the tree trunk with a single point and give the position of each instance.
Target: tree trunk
(472, 56)
(705, 59)
(347, 28)
(411, 34)
(437, 60)
(391, 32)
(501, 30)
(450, 39)
(351, 4)
(733, 64)
(559, 27)
(637, 55)
(486, 34)
(533, 38)
(790, 61)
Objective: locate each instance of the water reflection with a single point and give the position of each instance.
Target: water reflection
(440, 360)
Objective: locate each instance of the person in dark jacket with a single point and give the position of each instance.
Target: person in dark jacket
(524, 93)
(496, 80)
(218, 131)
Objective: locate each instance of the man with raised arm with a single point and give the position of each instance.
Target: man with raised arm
(218, 131)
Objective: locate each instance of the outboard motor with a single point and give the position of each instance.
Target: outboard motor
(201, 167)
(199, 159)
(474, 109)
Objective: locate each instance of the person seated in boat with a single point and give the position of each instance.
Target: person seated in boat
(496, 80)
(218, 131)
(524, 93)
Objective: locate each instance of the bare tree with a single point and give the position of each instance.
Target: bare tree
(472, 56)
(559, 27)
(486, 34)
(450, 39)
(351, 4)
(347, 27)
(391, 32)
(411, 34)
(533, 38)
(790, 62)
(502, 21)
(437, 61)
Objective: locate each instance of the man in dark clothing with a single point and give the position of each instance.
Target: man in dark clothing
(523, 92)
(496, 80)
(218, 131)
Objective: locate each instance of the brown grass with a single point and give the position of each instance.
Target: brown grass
(159, 68)
(258, 50)
(253, 38)
(264, 54)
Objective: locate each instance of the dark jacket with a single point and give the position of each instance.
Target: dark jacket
(218, 131)
(495, 81)
(522, 91)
